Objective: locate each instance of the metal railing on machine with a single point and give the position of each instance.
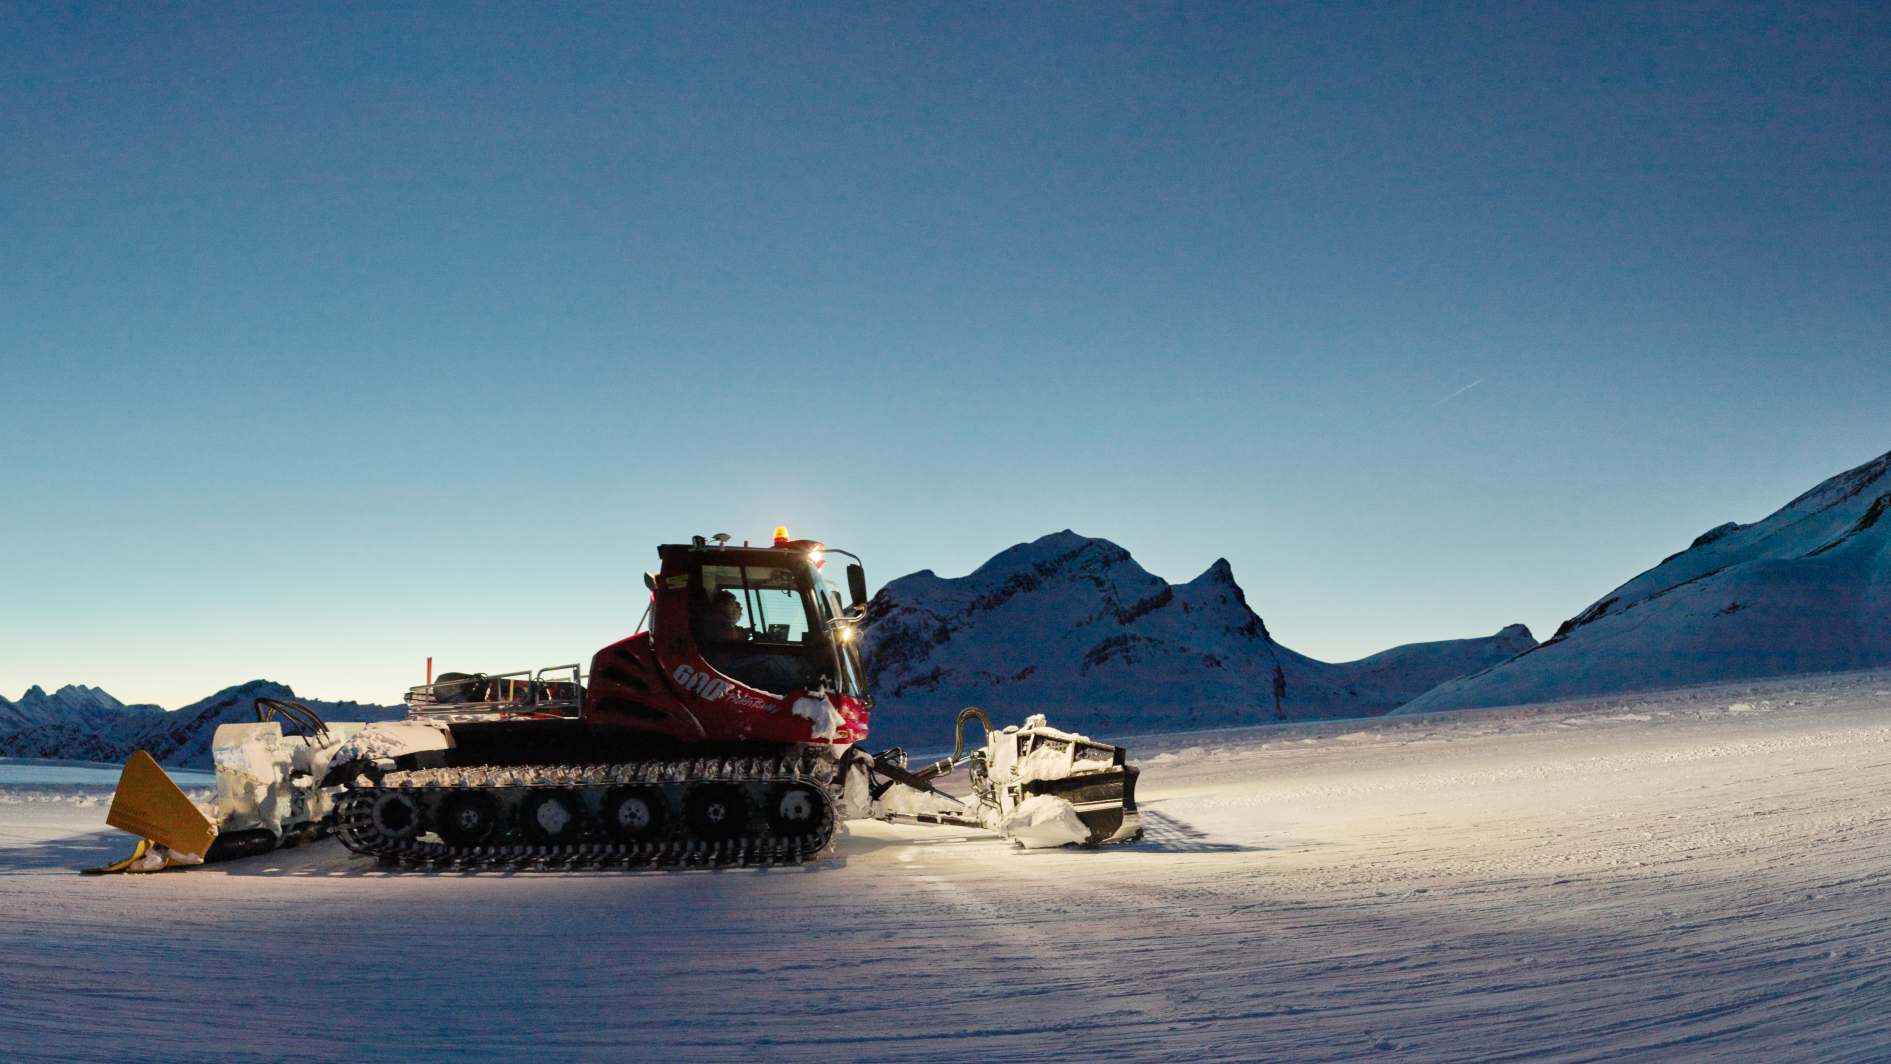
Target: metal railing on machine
(527, 694)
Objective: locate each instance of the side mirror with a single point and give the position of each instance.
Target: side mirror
(650, 581)
(857, 585)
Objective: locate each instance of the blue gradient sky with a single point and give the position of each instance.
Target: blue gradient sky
(331, 338)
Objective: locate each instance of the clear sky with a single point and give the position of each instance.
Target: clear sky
(332, 337)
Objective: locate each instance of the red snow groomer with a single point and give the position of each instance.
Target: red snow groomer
(727, 732)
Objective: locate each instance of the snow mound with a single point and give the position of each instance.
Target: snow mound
(388, 739)
(822, 718)
(1042, 822)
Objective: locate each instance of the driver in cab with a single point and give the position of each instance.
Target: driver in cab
(722, 622)
(723, 640)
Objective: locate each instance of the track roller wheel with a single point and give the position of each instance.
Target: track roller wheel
(717, 811)
(467, 818)
(551, 817)
(794, 808)
(395, 815)
(633, 814)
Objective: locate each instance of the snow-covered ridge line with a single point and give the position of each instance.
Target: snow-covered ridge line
(1807, 590)
(1071, 626)
(70, 703)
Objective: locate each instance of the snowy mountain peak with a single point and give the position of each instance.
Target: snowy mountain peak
(241, 695)
(1072, 626)
(1220, 573)
(78, 705)
(76, 695)
(1060, 555)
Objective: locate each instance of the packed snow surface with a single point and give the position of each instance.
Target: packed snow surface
(1702, 875)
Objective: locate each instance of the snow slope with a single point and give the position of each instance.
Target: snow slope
(1072, 627)
(1694, 876)
(1806, 590)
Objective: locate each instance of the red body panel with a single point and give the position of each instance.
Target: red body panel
(660, 682)
(636, 686)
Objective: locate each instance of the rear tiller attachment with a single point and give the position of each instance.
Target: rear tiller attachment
(1035, 784)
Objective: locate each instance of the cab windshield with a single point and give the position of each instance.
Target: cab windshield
(762, 604)
(758, 626)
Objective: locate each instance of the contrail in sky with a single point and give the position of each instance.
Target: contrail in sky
(1457, 393)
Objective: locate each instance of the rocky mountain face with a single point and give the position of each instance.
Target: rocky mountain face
(1806, 590)
(86, 724)
(1072, 627)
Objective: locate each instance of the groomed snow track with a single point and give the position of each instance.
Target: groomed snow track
(676, 814)
(1698, 875)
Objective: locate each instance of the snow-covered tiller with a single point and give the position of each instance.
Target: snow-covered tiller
(1034, 784)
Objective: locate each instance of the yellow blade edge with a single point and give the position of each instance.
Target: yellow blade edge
(148, 803)
(123, 865)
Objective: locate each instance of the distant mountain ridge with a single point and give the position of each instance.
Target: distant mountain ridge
(88, 706)
(87, 724)
(1806, 590)
(1072, 626)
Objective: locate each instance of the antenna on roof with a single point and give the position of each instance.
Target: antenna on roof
(721, 538)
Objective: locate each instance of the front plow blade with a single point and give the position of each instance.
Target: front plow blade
(171, 829)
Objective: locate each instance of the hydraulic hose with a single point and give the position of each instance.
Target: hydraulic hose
(968, 713)
(309, 721)
(947, 764)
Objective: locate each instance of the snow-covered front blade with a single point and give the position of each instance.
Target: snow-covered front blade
(148, 804)
(269, 794)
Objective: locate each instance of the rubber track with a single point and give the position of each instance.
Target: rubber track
(509, 785)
